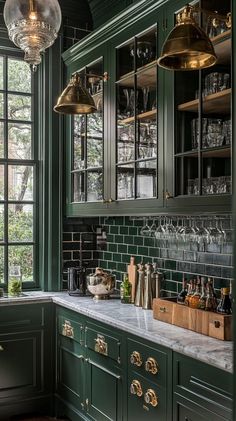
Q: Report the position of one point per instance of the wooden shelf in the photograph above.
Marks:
(146, 77)
(218, 103)
(222, 46)
(221, 152)
(150, 115)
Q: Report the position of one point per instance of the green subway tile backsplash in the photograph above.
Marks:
(174, 259)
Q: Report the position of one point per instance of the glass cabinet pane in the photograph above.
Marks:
(137, 134)
(203, 113)
(88, 142)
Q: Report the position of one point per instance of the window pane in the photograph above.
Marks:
(2, 182)
(2, 264)
(20, 223)
(1, 72)
(19, 76)
(22, 256)
(19, 141)
(1, 106)
(79, 141)
(2, 140)
(20, 182)
(1, 223)
(19, 107)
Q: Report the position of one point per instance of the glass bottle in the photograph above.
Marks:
(195, 298)
(182, 295)
(190, 292)
(125, 290)
(14, 281)
(202, 301)
(211, 303)
(225, 305)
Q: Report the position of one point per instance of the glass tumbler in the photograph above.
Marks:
(14, 281)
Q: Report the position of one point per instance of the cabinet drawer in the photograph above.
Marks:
(16, 317)
(98, 340)
(185, 410)
(148, 361)
(70, 328)
(207, 385)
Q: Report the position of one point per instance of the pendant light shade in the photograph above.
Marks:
(33, 26)
(75, 99)
(187, 47)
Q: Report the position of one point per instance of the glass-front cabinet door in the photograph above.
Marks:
(137, 141)
(88, 141)
(202, 144)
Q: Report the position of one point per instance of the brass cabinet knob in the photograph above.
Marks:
(67, 329)
(151, 366)
(101, 346)
(136, 388)
(136, 359)
(151, 398)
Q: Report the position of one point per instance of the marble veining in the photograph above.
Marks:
(140, 322)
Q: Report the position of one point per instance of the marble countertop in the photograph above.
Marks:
(140, 322)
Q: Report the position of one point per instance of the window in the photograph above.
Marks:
(18, 169)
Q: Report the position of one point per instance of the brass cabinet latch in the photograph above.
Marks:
(136, 388)
(151, 366)
(151, 398)
(67, 329)
(135, 359)
(100, 345)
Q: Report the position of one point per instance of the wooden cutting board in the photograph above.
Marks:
(132, 274)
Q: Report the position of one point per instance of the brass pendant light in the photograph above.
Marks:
(187, 47)
(75, 99)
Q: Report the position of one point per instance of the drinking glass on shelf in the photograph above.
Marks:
(190, 187)
(145, 91)
(215, 135)
(226, 131)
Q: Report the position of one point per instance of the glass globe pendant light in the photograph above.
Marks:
(33, 26)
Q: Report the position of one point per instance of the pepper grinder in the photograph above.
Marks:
(140, 286)
(157, 278)
(147, 298)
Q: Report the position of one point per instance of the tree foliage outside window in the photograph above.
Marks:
(17, 169)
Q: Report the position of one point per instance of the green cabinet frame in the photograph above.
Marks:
(103, 42)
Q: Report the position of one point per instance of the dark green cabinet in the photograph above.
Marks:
(104, 374)
(25, 359)
(152, 118)
(198, 385)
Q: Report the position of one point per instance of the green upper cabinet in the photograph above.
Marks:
(199, 132)
(159, 140)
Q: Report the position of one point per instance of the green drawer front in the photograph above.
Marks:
(16, 317)
(98, 340)
(70, 328)
(150, 359)
(185, 410)
(207, 385)
(138, 408)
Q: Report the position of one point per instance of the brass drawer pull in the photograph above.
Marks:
(151, 366)
(163, 310)
(100, 345)
(136, 388)
(151, 398)
(1, 348)
(67, 329)
(135, 359)
(216, 324)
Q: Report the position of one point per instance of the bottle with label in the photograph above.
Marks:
(190, 292)
(202, 301)
(195, 298)
(225, 305)
(125, 290)
(182, 295)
